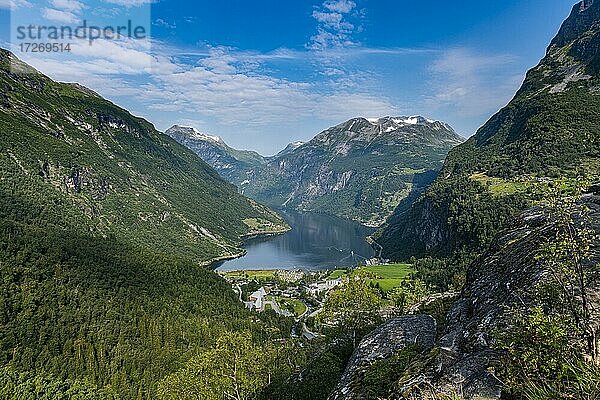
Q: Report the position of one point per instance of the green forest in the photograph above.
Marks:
(109, 231)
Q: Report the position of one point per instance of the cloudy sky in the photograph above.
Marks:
(263, 73)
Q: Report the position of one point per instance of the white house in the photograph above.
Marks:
(257, 299)
(323, 286)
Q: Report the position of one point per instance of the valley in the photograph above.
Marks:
(314, 242)
(301, 294)
(384, 258)
(361, 169)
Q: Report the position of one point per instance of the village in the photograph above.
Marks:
(301, 294)
(290, 293)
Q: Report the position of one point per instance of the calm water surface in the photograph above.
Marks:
(316, 242)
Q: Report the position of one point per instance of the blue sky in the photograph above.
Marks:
(262, 73)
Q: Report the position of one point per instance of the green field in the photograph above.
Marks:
(298, 306)
(388, 276)
(337, 274)
(262, 275)
(498, 186)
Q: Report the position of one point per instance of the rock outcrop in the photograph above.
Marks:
(500, 279)
(463, 354)
(383, 343)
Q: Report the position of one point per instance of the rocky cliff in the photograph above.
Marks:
(233, 165)
(462, 356)
(361, 169)
(551, 128)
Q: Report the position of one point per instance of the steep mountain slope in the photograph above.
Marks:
(464, 358)
(551, 128)
(233, 165)
(361, 169)
(288, 149)
(116, 172)
(103, 224)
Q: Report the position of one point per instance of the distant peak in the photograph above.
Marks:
(412, 120)
(581, 23)
(290, 148)
(193, 133)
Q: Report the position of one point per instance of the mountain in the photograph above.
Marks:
(233, 165)
(115, 171)
(288, 149)
(462, 340)
(361, 169)
(550, 129)
(104, 226)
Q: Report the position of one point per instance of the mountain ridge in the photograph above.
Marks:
(308, 175)
(548, 130)
(106, 160)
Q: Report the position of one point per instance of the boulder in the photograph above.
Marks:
(383, 343)
(464, 356)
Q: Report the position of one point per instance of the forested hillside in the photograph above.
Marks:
(104, 225)
(551, 129)
(115, 171)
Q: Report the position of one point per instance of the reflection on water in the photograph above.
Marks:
(316, 241)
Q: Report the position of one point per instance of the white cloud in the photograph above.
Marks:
(224, 86)
(14, 4)
(161, 22)
(219, 88)
(333, 30)
(341, 6)
(61, 16)
(64, 11)
(131, 3)
(331, 19)
(461, 81)
(461, 62)
(73, 6)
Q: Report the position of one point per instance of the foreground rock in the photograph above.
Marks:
(501, 279)
(463, 357)
(383, 343)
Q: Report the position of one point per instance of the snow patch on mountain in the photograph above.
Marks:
(412, 120)
(193, 133)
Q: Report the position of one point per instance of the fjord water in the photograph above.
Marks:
(316, 242)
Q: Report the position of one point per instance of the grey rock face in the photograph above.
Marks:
(361, 169)
(235, 166)
(500, 279)
(382, 344)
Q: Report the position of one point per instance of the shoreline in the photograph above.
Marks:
(211, 263)
(249, 236)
